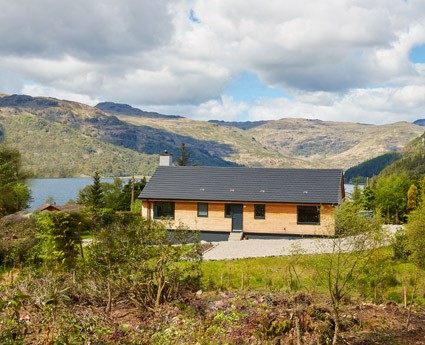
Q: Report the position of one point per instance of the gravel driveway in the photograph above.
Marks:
(228, 250)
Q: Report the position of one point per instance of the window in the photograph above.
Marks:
(259, 211)
(163, 209)
(202, 209)
(227, 210)
(308, 215)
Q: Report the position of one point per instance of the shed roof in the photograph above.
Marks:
(241, 184)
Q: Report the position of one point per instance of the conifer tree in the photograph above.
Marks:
(96, 198)
(368, 198)
(183, 160)
(412, 198)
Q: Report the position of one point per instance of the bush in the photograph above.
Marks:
(139, 258)
(400, 244)
(59, 236)
(17, 238)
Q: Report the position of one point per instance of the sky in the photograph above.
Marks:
(235, 60)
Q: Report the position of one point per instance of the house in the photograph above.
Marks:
(249, 201)
(59, 208)
(47, 207)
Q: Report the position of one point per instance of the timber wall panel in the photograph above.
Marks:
(279, 219)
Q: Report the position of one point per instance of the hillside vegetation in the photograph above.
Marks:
(50, 149)
(333, 144)
(63, 138)
(370, 168)
(412, 161)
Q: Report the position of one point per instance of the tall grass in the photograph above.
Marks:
(385, 282)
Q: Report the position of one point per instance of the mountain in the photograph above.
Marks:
(420, 122)
(245, 125)
(333, 144)
(125, 109)
(371, 167)
(296, 142)
(412, 161)
(64, 138)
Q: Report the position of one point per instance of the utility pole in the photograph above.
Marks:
(132, 193)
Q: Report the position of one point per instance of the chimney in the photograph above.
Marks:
(165, 159)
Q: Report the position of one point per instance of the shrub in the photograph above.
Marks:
(399, 244)
(139, 257)
(59, 236)
(17, 238)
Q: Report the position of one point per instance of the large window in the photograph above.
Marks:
(163, 209)
(202, 209)
(308, 215)
(259, 211)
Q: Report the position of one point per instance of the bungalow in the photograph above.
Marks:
(248, 201)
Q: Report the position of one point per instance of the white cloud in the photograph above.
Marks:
(226, 108)
(338, 59)
(377, 105)
(43, 91)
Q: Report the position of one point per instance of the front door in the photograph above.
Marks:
(237, 217)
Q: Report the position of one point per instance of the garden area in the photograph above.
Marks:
(133, 285)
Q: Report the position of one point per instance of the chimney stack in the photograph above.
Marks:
(165, 159)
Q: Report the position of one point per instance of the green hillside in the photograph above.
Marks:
(412, 161)
(370, 168)
(51, 149)
(64, 138)
(333, 144)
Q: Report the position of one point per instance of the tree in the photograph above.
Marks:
(112, 193)
(130, 189)
(351, 252)
(412, 198)
(115, 197)
(184, 158)
(391, 196)
(368, 198)
(50, 200)
(415, 230)
(93, 195)
(59, 236)
(14, 194)
(422, 187)
(356, 196)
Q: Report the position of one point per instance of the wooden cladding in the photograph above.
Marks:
(270, 219)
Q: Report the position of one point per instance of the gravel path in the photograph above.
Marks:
(229, 250)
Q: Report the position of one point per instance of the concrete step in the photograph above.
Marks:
(235, 236)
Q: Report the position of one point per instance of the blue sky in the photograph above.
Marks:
(229, 60)
(248, 88)
(417, 54)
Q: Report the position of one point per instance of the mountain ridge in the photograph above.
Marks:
(125, 109)
(411, 161)
(275, 143)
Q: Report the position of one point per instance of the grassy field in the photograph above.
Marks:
(383, 282)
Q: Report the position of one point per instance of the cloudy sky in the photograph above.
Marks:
(343, 60)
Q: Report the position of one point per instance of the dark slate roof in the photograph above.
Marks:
(201, 183)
